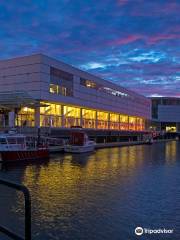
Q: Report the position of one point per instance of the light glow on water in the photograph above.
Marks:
(102, 195)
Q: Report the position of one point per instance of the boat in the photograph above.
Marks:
(13, 148)
(148, 138)
(54, 145)
(79, 142)
(149, 141)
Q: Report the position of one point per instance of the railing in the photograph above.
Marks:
(27, 201)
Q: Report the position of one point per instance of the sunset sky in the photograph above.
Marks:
(135, 43)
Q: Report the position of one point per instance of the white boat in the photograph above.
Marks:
(149, 141)
(79, 142)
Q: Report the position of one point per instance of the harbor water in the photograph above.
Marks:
(98, 196)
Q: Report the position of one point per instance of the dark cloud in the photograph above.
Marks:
(135, 43)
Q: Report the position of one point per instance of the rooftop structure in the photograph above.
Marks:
(166, 113)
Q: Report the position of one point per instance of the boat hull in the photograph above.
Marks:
(78, 149)
(26, 155)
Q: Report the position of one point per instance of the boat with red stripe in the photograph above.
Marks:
(14, 148)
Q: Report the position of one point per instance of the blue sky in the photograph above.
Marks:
(135, 43)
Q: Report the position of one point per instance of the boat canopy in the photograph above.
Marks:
(78, 138)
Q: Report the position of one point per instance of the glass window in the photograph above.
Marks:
(171, 129)
(11, 140)
(21, 140)
(114, 117)
(88, 118)
(88, 114)
(54, 89)
(3, 141)
(51, 109)
(25, 117)
(71, 112)
(26, 110)
(124, 118)
(54, 72)
(124, 122)
(140, 124)
(61, 82)
(92, 84)
(114, 121)
(132, 123)
(102, 116)
(50, 115)
(102, 120)
(71, 116)
(88, 83)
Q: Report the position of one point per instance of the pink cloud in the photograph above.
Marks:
(157, 38)
(125, 40)
(148, 39)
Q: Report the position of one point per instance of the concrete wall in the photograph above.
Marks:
(22, 74)
(32, 74)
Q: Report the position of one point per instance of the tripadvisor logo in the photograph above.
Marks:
(139, 231)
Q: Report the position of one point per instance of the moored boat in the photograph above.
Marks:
(149, 141)
(13, 148)
(79, 142)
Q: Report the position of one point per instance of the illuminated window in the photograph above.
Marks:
(71, 111)
(50, 115)
(114, 92)
(88, 118)
(54, 89)
(61, 82)
(171, 129)
(64, 91)
(124, 118)
(140, 124)
(88, 114)
(25, 117)
(88, 83)
(132, 123)
(57, 115)
(50, 109)
(71, 116)
(91, 84)
(25, 110)
(102, 120)
(114, 117)
(124, 122)
(102, 116)
(114, 121)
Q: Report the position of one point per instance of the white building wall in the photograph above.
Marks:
(32, 74)
(23, 74)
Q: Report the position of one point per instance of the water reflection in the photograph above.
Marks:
(92, 196)
(171, 152)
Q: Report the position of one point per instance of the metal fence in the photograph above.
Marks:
(27, 202)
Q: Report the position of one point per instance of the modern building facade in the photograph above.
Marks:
(38, 91)
(166, 114)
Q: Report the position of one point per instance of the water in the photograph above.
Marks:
(101, 196)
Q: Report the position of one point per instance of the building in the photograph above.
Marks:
(38, 91)
(166, 114)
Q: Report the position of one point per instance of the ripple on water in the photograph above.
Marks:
(103, 195)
